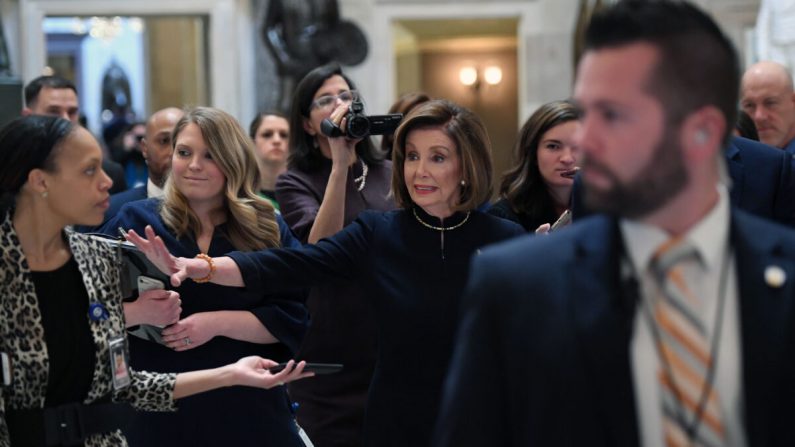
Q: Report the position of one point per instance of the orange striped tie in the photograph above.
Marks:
(691, 407)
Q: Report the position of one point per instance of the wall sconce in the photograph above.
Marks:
(471, 77)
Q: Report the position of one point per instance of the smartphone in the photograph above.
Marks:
(148, 283)
(149, 332)
(563, 220)
(317, 368)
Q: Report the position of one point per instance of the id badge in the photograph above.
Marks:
(119, 363)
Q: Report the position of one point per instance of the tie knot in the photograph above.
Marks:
(670, 253)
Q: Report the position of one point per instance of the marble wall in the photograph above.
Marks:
(544, 41)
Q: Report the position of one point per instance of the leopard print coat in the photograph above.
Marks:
(22, 334)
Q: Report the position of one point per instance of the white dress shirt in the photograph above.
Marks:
(153, 190)
(710, 237)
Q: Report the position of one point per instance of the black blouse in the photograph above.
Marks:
(414, 277)
(502, 209)
(63, 303)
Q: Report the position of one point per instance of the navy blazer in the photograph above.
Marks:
(763, 182)
(543, 355)
(118, 200)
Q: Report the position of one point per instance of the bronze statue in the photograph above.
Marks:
(304, 34)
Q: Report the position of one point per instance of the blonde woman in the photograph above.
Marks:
(211, 206)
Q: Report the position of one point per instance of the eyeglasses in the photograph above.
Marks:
(327, 101)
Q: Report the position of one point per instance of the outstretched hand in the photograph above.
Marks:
(155, 250)
(253, 371)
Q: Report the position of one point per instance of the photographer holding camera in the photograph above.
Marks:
(328, 183)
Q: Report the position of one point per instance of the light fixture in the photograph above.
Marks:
(492, 75)
(471, 76)
(468, 76)
(105, 28)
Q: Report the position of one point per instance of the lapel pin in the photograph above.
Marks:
(97, 312)
(775, 276)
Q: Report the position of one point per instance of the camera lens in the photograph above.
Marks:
(358, 126)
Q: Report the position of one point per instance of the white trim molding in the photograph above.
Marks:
(228, 48)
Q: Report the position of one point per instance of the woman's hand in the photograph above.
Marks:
(155, 250)
(253, 371)
(343, 150)
(248, 371)
(190, 332)
(157, 307)
(543, 229)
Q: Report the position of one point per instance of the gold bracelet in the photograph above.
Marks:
(212, 268)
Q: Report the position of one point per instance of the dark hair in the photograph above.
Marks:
(28, 143)
(405, 104)
(697, 64)
(257, 121)
(472, 143)
(304, 154)
(523, 186)
(745, 126)
(34, 87)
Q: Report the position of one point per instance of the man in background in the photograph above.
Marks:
(668, 320)
(157, 149)
(767, 96)
(56, 96)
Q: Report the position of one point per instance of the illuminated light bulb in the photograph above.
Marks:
(492, 75)
(468, 76)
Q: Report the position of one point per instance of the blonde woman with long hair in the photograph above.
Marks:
(211, 207)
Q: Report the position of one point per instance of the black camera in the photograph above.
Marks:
(358, 125)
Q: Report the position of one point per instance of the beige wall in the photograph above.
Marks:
(177, 67)
(496, 105)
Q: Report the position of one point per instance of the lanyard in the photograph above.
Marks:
(691, 428)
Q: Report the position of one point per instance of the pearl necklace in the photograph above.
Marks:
(427, 225)
(362, 179)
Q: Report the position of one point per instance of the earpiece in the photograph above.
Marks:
(701, 136)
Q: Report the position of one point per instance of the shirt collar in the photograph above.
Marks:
(153, 190)
(709, 236)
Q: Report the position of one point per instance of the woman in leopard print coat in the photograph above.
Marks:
(50, 177)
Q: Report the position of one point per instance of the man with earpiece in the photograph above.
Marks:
(670, 318)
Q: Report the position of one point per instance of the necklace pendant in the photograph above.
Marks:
(442, 228)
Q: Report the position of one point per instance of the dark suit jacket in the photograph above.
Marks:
(763, 182)
(543, 355)
(116, 173)
(118, 200)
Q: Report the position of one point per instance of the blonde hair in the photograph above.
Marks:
(251, 220)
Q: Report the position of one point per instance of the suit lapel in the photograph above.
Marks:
(603, 316)
(765, 314)
(736, 172)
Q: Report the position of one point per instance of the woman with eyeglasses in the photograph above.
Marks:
(328, 183)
